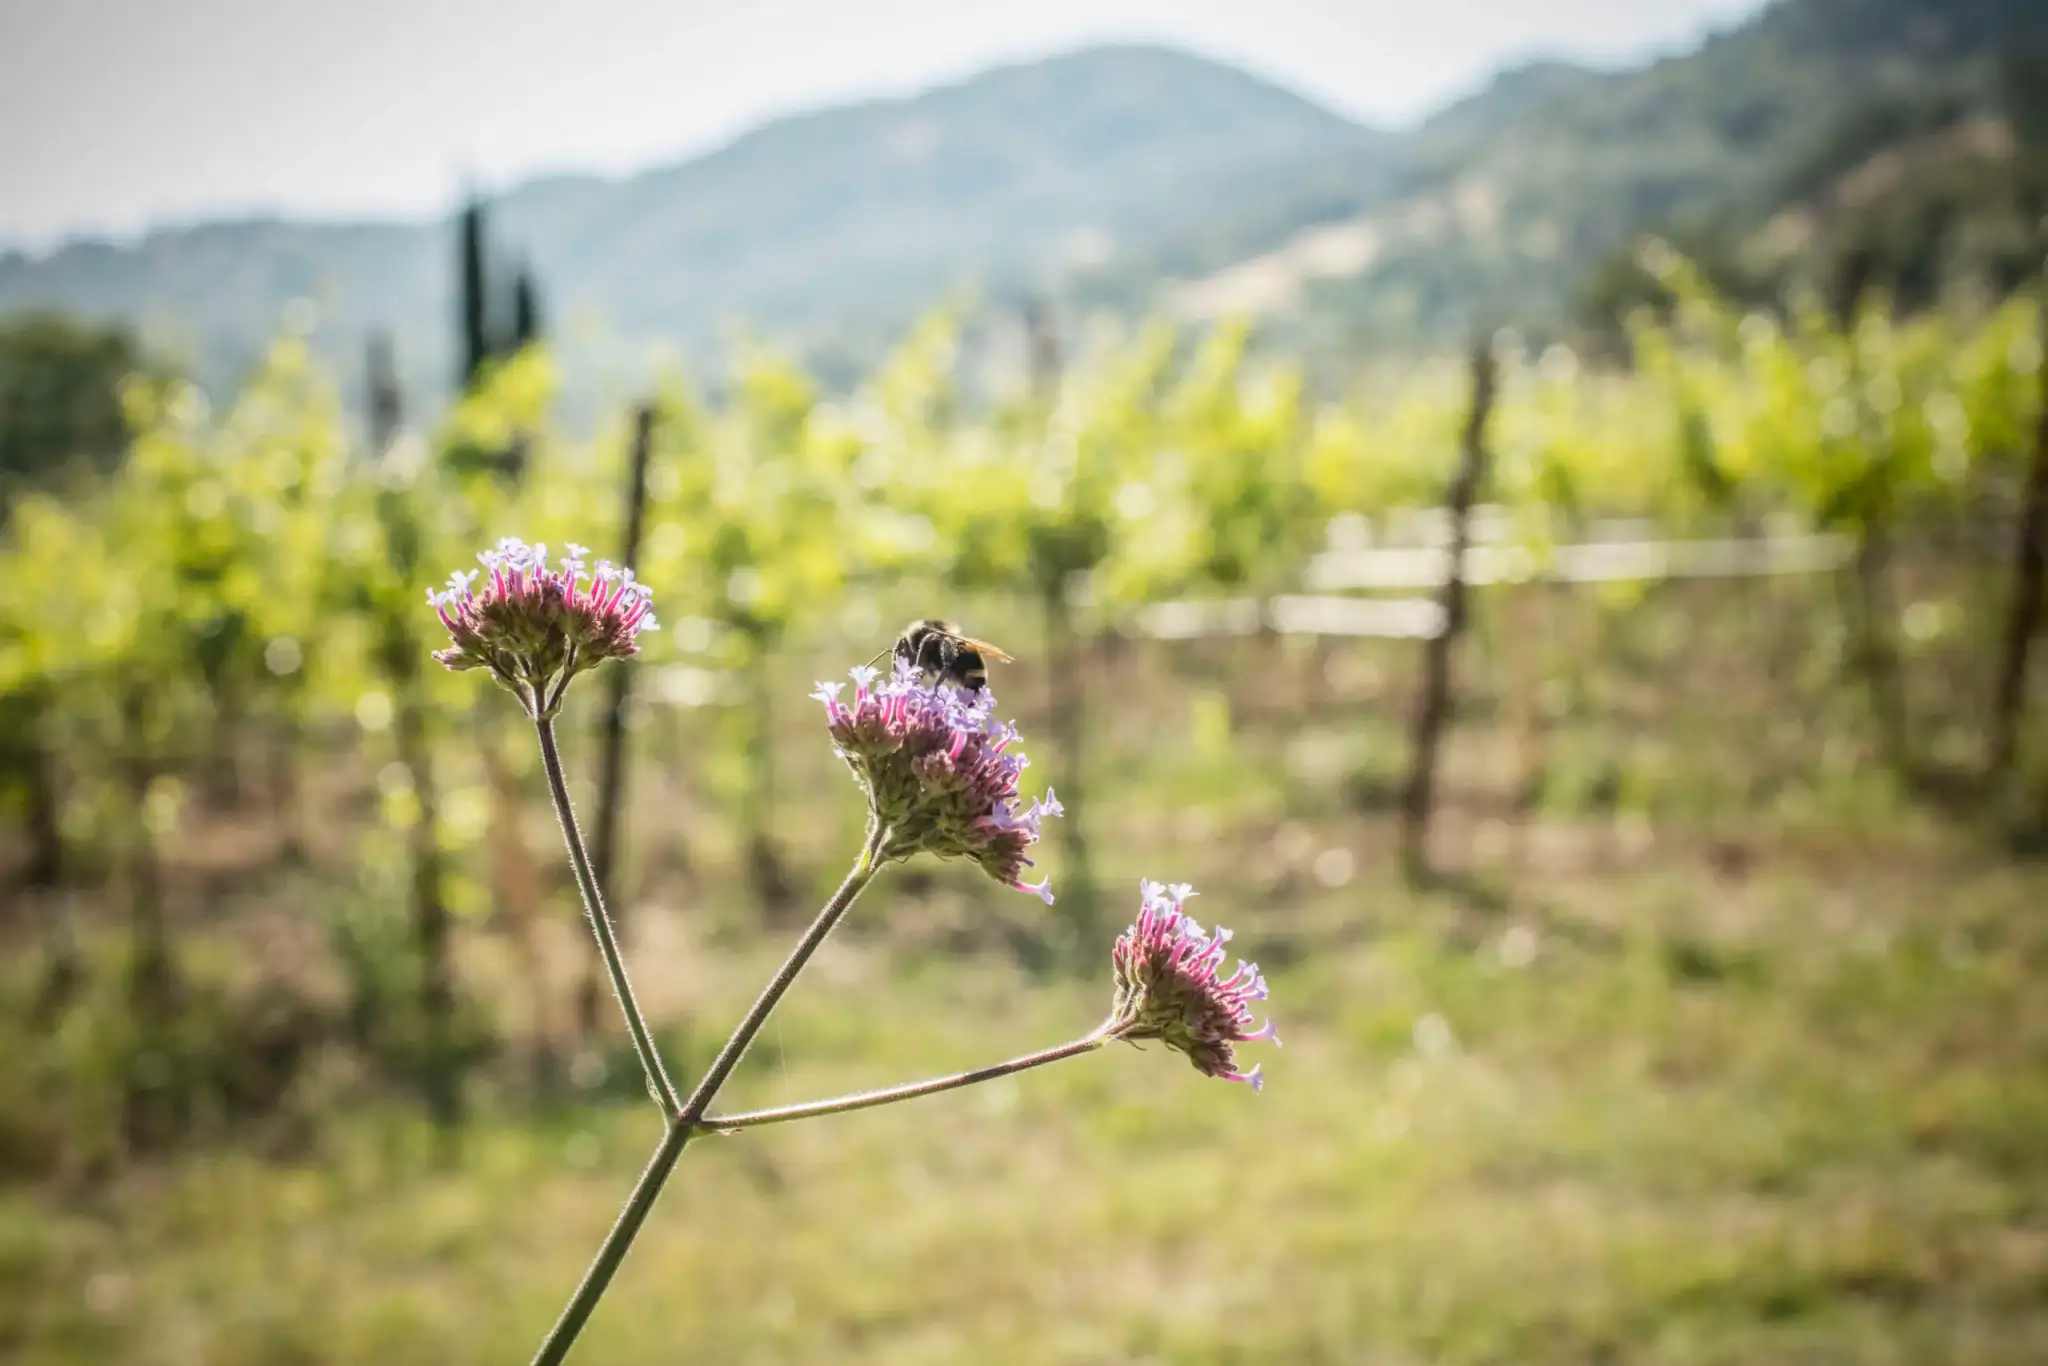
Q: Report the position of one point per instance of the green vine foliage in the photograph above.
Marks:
(256, 565)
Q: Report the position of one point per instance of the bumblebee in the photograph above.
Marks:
(937, 648)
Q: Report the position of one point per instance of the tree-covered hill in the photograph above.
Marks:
(800, 230)
(1143, 179)
(1498, 209)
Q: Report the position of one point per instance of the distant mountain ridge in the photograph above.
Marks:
(842, 222)
(1496, 209)
(1130, 177)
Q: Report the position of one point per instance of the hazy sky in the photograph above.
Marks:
(119, 113)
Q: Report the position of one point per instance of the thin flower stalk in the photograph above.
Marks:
(658, 1083)
(535, 628)
(685, 1123)
(1169, 986)
(916, 1090)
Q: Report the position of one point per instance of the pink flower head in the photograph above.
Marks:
(1170, 987)
(939, 771)
(535, 628)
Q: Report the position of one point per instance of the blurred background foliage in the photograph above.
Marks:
(271, 874)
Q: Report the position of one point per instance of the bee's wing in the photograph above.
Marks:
(987, 650)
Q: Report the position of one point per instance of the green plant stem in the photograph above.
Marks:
(601, 922)
(866, 1100)
(645, 1191)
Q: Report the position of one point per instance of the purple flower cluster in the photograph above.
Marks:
(535, 628)
(1170, 987)
(939, 771)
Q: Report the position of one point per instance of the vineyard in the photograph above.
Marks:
(1475, 661)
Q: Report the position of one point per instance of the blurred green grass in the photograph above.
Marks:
(1658, 1114)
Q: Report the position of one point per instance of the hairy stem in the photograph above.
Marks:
(601, 922)
(867, 1100)
(563, 1336)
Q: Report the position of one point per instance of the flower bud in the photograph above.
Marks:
(1169, 987)
(939, 772)
(535, 628)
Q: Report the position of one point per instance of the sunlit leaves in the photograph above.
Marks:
(755, 514)
(257, 554)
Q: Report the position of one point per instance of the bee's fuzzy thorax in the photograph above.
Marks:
(940, 652)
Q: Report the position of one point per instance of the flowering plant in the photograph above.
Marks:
(940, 772)
(940, 776)
(536, 628)
(1170, 987)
